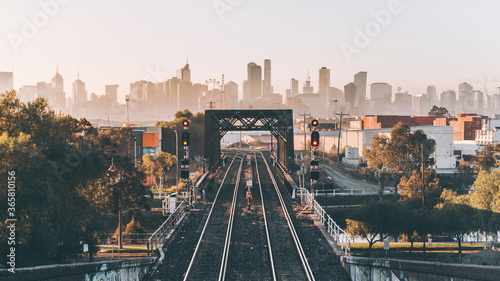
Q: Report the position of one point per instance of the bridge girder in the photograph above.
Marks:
(278, 122)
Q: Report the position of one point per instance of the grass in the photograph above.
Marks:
(126, 248)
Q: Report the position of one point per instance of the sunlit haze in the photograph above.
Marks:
(441, 43)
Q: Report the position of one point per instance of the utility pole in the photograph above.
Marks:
(340, 134)
(304, 128)
(423, 196)
(222, 94)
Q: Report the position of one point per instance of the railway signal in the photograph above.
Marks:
(314, 123)
(315, 139)
(185, 139)
(185, 123)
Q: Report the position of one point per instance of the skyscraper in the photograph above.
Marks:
(350, 95)
(184, 74)
(79, 92)
(294, 87)
(324, 85)
(360, 97)
(6, 81)
(448, 100)
(111, 92)
(57, 95)
(231, 91)
(431, 91)
(465, 97)
(380, 98)
(268, 88)
(324, 80)
(254, 78)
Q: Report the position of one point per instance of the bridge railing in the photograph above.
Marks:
(338, 234)
(161, 234)
(347, 192)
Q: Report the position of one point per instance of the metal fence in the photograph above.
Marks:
(347, 192)
(339, 235)
(160, 235)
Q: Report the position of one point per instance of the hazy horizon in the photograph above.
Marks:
(422, 43)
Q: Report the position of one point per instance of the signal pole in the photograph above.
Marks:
(314, 162)
(185, 138)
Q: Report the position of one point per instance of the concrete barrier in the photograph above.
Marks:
(399, 270)
(109, 270)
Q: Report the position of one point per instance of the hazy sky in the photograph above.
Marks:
(424, 42)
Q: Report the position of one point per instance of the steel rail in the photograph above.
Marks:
(298, 245)
(227, 243)
(265, 221)
(208, 219)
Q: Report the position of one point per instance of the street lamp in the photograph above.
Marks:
(112, 169)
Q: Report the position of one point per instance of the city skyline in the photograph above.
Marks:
(420, 43)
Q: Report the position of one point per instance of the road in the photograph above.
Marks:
(345, 180)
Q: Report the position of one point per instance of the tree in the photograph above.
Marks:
(486, 159)
(196, 130)
(455, 219)
(408, 222)
(438, 111)
(61, 179)
(485, 193)
(401, 151)
(410, 189)
(133, 229)
(374, 221)
(157, 166)
(465, 176)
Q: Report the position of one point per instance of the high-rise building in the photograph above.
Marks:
(431, 91)
(57, 95)
(403, 103)
(350, 95)
(79, 92)
(465, 97)
(268, 88)
(324, 80)
(422, 104)
(247, 92)
(478, 102)
(448, 100)
(231, 92)
(307, 89)
(254, 77)
(137, 90)
(381, 91)
(6, 81)
(360, 98)
(380, 98)
(324, 85)
(184, 74)
(294, 87)
(27, 92)
(149, 91)
(111, 92)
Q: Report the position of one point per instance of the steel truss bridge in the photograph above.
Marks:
(278, 122)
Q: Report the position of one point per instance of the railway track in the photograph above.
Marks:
(206, 261)
(256, 242)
